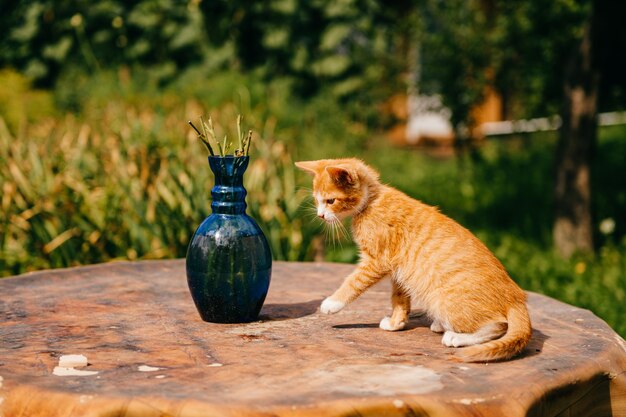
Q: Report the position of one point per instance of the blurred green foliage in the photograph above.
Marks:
(45, 38)
(345, 46)
(455, 48)
(519, 48)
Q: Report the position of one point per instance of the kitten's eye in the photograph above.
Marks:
(330, 201)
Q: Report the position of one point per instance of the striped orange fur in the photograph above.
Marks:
(431, 260)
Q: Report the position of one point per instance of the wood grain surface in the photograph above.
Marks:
(150, 354)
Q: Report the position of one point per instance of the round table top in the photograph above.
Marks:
(150, 354)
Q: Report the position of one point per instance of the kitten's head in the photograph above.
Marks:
(341, 187)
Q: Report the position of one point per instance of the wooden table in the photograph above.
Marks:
(151, 355)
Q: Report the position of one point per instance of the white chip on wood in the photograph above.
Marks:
(63, 371)
(398, 403)
(71, 361)
(67, 363)
(146, 368)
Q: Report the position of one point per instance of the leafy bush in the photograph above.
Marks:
(45, 38)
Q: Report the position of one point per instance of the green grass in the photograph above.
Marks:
(116, 173)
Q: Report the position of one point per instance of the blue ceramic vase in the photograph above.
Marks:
(229, 263)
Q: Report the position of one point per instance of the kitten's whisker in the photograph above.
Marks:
(309, 210)
(340, 231)
(308, 206)
(330, 237)
(311, 214)
(344, 230)
(331, 234)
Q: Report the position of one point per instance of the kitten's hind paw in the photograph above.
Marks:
(452, 339)
(387, 324)
(330, 306)
(437, 327)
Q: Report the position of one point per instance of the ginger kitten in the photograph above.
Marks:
(430, 258)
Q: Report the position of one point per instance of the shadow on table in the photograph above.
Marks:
(289, 311)
(535, 346)
(416, 319)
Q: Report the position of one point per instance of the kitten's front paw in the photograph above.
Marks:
(331, 306)
(386, 324)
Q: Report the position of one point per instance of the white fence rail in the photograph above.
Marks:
(543, 124)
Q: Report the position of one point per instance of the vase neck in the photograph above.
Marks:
(229, 194)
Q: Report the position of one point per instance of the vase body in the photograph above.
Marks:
(229, 263)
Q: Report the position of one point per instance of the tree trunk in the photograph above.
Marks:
(573, 230)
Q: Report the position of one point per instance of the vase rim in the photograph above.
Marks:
(227, 157)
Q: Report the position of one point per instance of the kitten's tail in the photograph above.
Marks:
(514, 340)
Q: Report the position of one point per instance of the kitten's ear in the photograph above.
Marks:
(310, 167)
(342, 176)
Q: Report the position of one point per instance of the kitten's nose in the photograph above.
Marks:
(320, 215)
